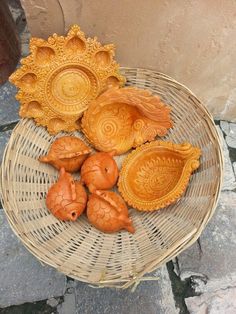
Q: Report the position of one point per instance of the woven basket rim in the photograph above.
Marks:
(190, 239)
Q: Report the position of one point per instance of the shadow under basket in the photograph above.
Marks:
(113, 260)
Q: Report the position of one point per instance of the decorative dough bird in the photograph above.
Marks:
(107, 211)
(68, 152)
(100, 171)
(66, 199)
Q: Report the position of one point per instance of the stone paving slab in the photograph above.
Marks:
(4, 137)
(230, 132)
(9, 106)
(152, 297)
(229, 182)
(216, 255)
(212, 264)
(22, 277)
(219, 302)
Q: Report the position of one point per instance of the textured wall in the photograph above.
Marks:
(192, 41)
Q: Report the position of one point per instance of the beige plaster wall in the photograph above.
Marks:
(193, 41)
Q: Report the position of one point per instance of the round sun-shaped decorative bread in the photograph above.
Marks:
(61, 76)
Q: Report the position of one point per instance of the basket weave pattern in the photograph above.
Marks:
(79, 250)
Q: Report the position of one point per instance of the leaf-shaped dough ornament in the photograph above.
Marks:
(156, 174)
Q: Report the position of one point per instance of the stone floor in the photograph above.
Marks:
(200, 280)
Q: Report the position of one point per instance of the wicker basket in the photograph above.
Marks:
(79, 250)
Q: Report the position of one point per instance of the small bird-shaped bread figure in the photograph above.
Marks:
(107, 211)
(66, 199)
(100, 171)
(68, 152)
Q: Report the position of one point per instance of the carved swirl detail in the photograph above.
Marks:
(111, 127)
(124, 118)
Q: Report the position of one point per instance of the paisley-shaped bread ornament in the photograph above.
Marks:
(68, 152)
(66, 199)
(156, 174)
(122, 118)
(107, 211)
(100, 171)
